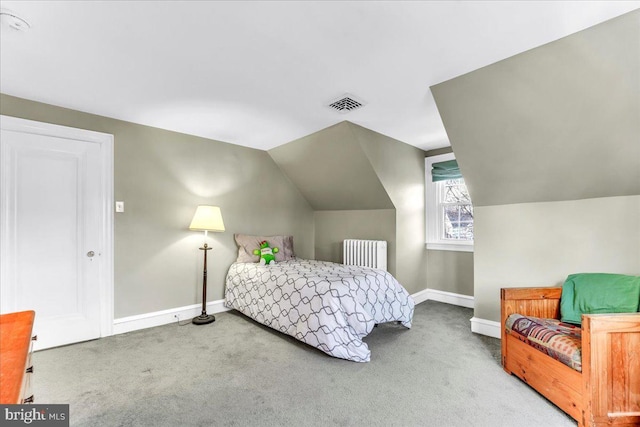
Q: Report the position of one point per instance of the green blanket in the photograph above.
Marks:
(593, 293)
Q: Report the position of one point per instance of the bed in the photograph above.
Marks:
(329, 306)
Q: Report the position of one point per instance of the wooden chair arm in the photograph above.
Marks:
(537, 302)
(530, 293)
(611, 323)
(610, 363)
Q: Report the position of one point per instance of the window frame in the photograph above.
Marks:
(434, 220)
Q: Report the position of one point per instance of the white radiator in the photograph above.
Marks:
(365, 253)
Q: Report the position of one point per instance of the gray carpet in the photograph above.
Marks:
(236, 372)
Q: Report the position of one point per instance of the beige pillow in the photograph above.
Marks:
(247, 244)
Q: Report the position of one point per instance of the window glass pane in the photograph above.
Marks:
(458, 222)
(466, 213)
(454, 191)
(458, 231)
(451, 213)
(466, 231)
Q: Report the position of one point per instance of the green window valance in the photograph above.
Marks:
(445, 170)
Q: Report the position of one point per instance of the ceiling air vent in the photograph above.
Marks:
(346, 103)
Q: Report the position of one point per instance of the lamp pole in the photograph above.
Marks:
(204, 318)
(206, 218)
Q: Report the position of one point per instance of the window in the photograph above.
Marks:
(449, 209)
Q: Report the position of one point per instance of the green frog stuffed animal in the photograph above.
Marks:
(266, 253)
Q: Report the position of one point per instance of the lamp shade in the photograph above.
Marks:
(208, 218)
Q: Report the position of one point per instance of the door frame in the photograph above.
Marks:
(105, 140)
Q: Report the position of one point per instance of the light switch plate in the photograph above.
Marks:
(119, 206)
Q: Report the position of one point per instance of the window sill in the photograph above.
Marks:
(459, 247)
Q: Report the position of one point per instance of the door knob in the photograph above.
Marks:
(90, 254)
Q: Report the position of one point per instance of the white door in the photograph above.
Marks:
(53, 241)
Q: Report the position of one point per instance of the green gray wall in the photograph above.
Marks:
(349, 168)
(539, 244)
(450, 271)
(331, 227)
(549, 144)
(331, 170)
(400, 168)
(162, 176)
(559, 122)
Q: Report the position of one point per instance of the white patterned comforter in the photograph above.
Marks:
(327, 305)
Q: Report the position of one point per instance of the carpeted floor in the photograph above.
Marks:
(236, 372)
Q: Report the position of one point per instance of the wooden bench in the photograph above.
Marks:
(607, 391)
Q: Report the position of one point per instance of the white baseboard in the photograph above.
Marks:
(489, 328)
(420, 296)
(442, 296)
(158, 318)
(163, 317)
(479, 326)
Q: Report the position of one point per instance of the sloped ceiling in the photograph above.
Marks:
(559, 122)
(332, 171)
(260, 73)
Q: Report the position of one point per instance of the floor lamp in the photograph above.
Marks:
(206, 218)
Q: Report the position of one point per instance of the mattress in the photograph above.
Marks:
(329, 306)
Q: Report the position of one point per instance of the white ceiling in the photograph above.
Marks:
(260, 74)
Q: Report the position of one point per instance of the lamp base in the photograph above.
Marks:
(204, 319)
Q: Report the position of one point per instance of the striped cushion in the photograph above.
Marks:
(561, 341)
